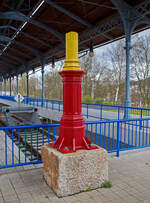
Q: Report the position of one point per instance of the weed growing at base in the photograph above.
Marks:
(106, 184)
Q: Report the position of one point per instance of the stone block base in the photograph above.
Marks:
(67, 174)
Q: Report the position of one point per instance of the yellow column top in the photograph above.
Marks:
(72, 61)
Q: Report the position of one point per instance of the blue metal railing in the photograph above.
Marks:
(95, 111)
(21, 145)
(109, 112)
(46, 103)
(9, 98)
(120, 135)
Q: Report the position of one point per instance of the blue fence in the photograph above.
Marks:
(109, 112)
(119, 135)
(96, 111)
(9, 98)
(46, 103)
(21, 145)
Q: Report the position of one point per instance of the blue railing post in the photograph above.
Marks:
(141, 120)
(37, 101)
(26, 100)
(118, 140)
(6, 147)
(42, 102)
(118, 112)
(87, 110)
(101, 108)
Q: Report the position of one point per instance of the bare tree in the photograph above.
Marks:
(22, 85)
(96, 73)
(53, 83)
(140, 61)
(116, 56)
(34, 89)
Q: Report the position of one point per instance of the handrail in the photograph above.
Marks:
(86, 107)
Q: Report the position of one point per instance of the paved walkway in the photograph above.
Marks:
(129, 175)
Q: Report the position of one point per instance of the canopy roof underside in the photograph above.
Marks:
(33, 32)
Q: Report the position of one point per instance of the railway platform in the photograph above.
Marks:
(54, 115)
(23, 52)
(43, 112)
(129, 175)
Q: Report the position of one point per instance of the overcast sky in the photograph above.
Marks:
(97, 52)
(100, 50)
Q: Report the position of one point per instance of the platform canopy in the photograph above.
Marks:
(33, 32)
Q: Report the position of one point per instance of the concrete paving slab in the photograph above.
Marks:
(129, 174)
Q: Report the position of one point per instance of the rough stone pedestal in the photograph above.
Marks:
(67, 174)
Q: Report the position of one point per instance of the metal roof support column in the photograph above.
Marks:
(1, 80)
(127, 15)
(17, 84)
(42, 61)
(5, 86)
(10, 85)
(128, 98)
(27, 86)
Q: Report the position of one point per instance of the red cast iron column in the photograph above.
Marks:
(72, 127)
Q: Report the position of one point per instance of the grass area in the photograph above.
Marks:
(145, 112)
(134, 111)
